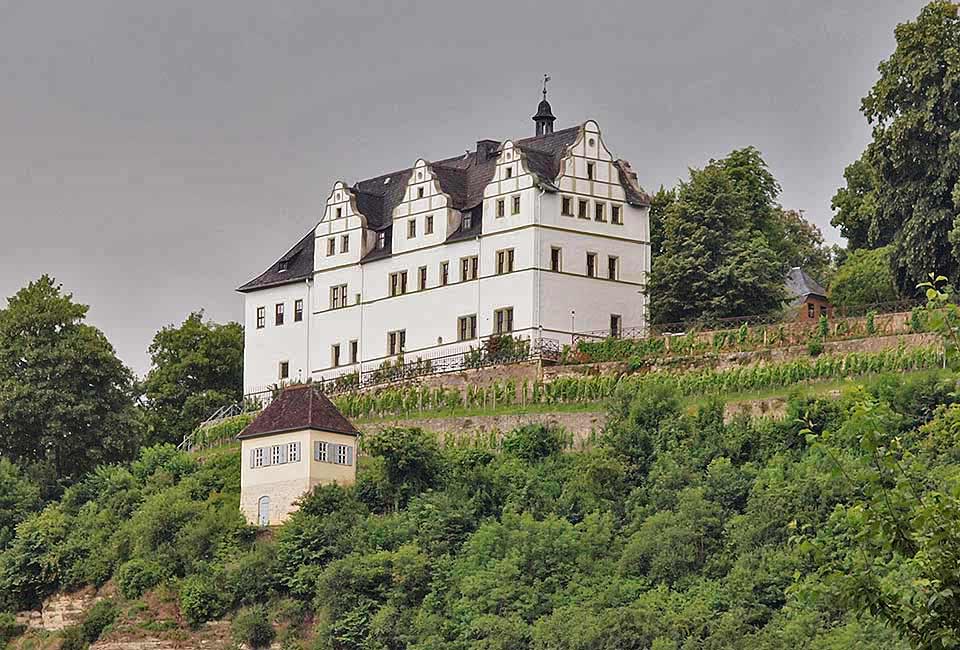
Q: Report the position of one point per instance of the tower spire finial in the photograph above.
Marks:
(544, 117)
(546, 78)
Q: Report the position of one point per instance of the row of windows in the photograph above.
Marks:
(599, 210)
(329, 452)
(412, 227)
(514, 206)
(592, 269)
(332, 244)
(275, 455)
(336, 358)
(279, 314)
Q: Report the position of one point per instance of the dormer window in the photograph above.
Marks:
(381, 239)
(468, 221)
(283, 266)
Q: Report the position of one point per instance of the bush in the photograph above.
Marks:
(98, 619)
(138, 576)
(71, 638)
(815, 346)
(534, 442)
(871, 324)
(9, 628)
(252, 627)
(201, 600)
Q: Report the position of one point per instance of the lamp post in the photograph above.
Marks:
(573, 325)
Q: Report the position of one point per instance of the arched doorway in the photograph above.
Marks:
(263, 511)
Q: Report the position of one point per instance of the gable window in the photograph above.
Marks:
(599, 211)
(261, 317)
(615, 215)
(354, 351)
(345, 244)
(501, 208)
(505, 261)
(582, 207)
(591, 265)
(509, 171)
(566, 206)
(468, 268)
(381, 240)
(339, 212)
(420, 192)
(503, 320)
(284, 370)
(398, 283)
(444, 273)
(279, 314)
(411, 229)
(335, 355)
(467, 327)
(338, 296)
(321, 451)
(297, 310)
(515, 204)
(590, 166)
(613, 267)
(422, 278)
(331, 246)
(616, 325)
(428, 226)
(396, 342)
(556, 259)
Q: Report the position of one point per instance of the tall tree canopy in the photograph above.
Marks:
(726, 243)
(864, 278)
(904, 189)
(196, 368)
(66, 400)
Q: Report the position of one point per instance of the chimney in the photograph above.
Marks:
(487, 149)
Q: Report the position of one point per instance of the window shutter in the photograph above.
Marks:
(316, 450)
(268, 456)
(253, 458)
(284, 457)
(349, 455)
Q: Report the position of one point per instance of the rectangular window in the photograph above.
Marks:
(261, 317)
(354, 350)
(503, 320)
(335, 355)
(468, 268)
(501, 208)
(467, 221)
(420, 192)
(810, 310)
(396, 342)
(321, 451)
(381, 240)
(613, 267)
(422, 278)
(283, 266)
(582, 207)
(591, 265)
(590, 166)
(467, 327)
(566, 206)
(344, 455)
(515, 204)
(398, 283)
(428, 226)
(505, 261)
(509, 171)
(345, 244)
(331, 246)
(556, 259)
(615, 325)
(284, 370)
(339, 212)
(258, 457)
(293, 452)
(615, 212)
(411, 229)
(279, 314)
(823, 310)
(297, 311)
(599, 211)
(338, 296)
(444, 273)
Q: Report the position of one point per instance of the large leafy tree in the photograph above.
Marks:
(864, 278)
(723, 251)
(904, 190)
(66, 400)
(197, 367)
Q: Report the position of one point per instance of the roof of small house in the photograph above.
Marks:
(297, 408)
(463, 178)
(799, 285)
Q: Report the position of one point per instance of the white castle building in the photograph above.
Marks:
(536, 237)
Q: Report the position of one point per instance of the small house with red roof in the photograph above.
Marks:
(297, 442)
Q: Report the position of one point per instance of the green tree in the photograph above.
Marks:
(66, 400)
(196, 368)
(865, 277)
(798, 242)
(19, 497)
(717, 259)
(412, 460)
(660, 202)
(905, 190)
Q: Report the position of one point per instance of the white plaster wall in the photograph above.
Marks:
(264, 348)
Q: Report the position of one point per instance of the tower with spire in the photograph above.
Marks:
(544, 118)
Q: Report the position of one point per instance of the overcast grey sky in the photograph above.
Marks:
(155, 155)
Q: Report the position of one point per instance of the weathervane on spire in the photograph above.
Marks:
(546, 78)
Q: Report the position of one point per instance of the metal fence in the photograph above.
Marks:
(493, 351)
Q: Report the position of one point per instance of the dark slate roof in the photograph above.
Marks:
(475, 229)
(799, 285)
(544, 152)
(299, 265)
(631, 186)
(297, 408)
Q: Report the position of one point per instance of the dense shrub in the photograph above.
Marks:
(98, 619)
(534, 442)
(138, 576)
(201, 599)
(9, 628)
(252, 627)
